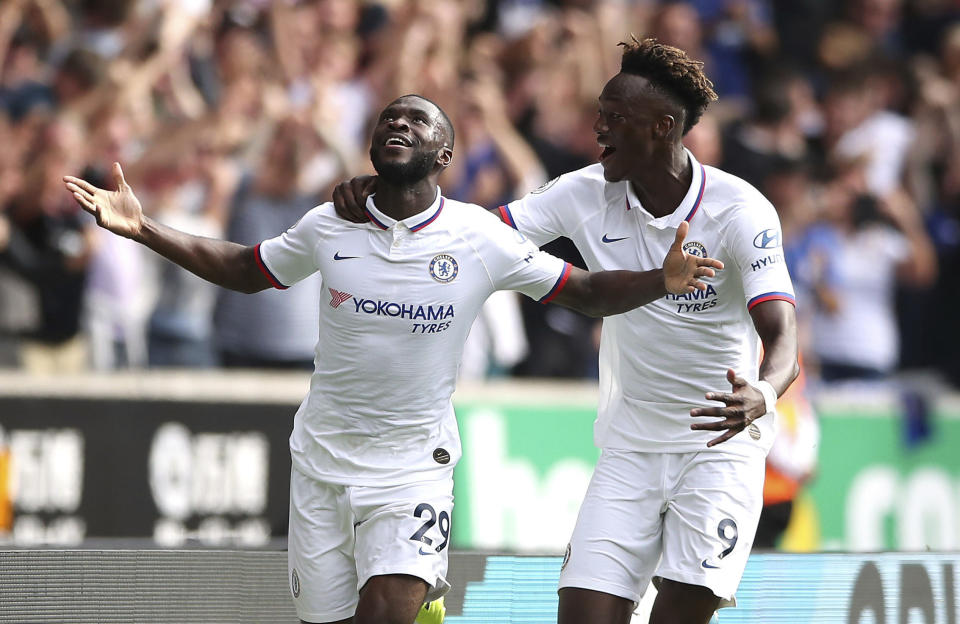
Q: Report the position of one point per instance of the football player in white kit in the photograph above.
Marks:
(375, 440)
(669, 501)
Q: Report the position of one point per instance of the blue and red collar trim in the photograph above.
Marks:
(421, 223)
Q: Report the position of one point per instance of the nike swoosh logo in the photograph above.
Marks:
(707, 565)
(429, 552)
(337, 256)
(607, 239)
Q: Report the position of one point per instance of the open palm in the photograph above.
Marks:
(681, 270)
(118, 211)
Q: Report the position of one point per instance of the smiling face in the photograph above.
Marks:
(410, 141)
(633, 124)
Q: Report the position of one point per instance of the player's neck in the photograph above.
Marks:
(661, 188)
(399, 201)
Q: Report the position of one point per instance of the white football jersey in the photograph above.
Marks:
(400, 297)
(657, 362)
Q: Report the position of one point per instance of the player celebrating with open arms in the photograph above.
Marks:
(375, 440)
(669, 501)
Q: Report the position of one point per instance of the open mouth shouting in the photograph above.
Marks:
(608, 150)
(397, 142)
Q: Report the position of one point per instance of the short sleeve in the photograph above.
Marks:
(290, 257)
(755, 240)
(514, 262)
(550, 211)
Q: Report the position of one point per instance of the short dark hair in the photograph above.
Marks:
(444, 119)
(671, 71)
(771, 98)
(86, 67)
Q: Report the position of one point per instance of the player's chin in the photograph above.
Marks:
(394, 155)
(610, 172)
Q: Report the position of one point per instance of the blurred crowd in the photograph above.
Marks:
(233, 118)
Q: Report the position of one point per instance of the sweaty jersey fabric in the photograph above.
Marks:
(399, 300)
(658, 361)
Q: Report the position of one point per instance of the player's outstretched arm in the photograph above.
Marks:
(603, 293)
(224, 263)
(350, 197)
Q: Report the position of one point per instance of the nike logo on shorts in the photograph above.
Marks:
(429, 552)
(337, 256)
(606, 238)
(704, 564)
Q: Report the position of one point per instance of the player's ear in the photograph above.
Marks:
(664, 126)
(444, 157)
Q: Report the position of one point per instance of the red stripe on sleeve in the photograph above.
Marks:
(506, 217)
(772, 297)
(559, 285)
(263, 268)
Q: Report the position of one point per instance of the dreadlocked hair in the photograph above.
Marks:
(671, 71)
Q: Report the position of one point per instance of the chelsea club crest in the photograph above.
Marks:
(695, 249)
(443, 268)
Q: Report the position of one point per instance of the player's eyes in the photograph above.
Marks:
(609, 116)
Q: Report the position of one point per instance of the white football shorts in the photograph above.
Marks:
(340, 536)
(687, 517)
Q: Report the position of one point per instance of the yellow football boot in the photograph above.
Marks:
(431, 613)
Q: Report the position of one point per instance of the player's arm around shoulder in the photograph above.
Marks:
(221, 262)
(604, 293)
(557, 207)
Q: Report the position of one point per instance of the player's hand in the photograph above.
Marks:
(118, 211)
(350, 197)
(681, 270)
(743, 405)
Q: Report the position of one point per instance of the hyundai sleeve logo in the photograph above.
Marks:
(767, 239)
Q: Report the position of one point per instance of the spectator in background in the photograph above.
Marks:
(50, 246)
(21, 89)
(270, 329)
(877, 242)
(705, 142)
(741, 40)
(881, 21)
(181, 324)
(558, 81)
(118, 298)
(771, 134)
(934, 182)
(498, 162)
(195, 81)
(860, 125)
(732, 37)
(320, 57)
(926, 23)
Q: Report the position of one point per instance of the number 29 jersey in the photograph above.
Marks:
(400, 298)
